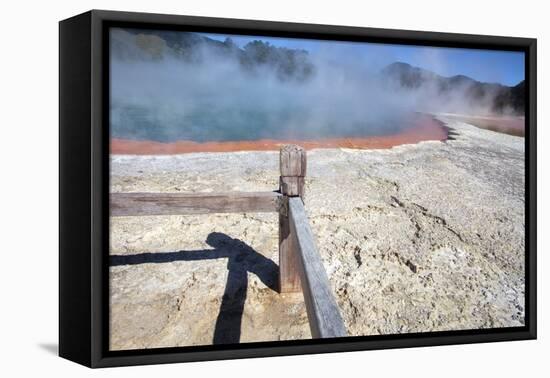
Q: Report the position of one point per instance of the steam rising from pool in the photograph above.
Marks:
(213, 98)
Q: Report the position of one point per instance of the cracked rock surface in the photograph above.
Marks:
(417, 238)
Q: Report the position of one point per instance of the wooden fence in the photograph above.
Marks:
(300, 265)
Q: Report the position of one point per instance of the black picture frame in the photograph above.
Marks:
(84, 188)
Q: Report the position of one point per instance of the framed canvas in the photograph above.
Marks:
(235, 188)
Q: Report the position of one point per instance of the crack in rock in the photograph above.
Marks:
(419, 214)
(357, 255)
(437, 219)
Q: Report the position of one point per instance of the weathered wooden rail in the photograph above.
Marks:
(126, 204)
(322, 311)
(300, 265)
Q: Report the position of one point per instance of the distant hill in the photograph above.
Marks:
(288, 64)
(501, 98)
(514, 98)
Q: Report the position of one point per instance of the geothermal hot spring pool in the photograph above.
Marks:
(139, 131)
(185, 92)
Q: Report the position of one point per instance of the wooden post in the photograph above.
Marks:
(293, 170)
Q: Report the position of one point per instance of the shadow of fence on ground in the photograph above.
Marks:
(241, 259)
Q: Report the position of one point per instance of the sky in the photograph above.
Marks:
(504, 67)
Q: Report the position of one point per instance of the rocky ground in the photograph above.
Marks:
(416, 238)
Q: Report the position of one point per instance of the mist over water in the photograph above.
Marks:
(206, 93)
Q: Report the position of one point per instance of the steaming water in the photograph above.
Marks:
(169, 101)
(168, 98)
(212, 123)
